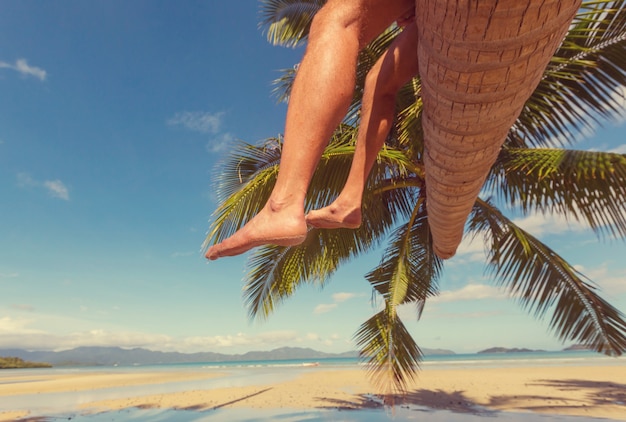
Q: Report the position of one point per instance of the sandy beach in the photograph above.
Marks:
(593, 391)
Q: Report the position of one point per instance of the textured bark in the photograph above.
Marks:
(479, 61)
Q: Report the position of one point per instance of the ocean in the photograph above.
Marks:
(451, 361)
(244, 373)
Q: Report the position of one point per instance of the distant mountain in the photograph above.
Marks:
(431, 352)
(17, 363)
(576, 347)
(109, 356)
(506, 350)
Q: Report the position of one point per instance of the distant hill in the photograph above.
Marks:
(17, 363)
(431, 352)
(506, 350)
(109, 356)
(577, 347)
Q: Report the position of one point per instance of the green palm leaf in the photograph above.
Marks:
(409, 269)
(582, 82)
(408, 273)
(582, 185)
(288, 21)
(541, 280)
(578, 90)
(391, 353)
(275, 272)
(282, 85)
(409, 133)
(244, 184)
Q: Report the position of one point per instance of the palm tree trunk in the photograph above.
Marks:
(479, 61)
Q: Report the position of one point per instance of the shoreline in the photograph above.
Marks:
(591, 391)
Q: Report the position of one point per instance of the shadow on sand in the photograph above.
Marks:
(596, 396)
(562, 397)
(427, 399)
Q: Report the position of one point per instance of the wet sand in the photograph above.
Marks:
(40, 383)
(593, 391)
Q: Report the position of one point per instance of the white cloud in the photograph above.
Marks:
(221, 142)
(343, 296)
(23, 68)
(18, 333)
(313, 337)
(55, 188)
(621, 149)
(337, 298)
(317, 339)
(471, 249)
(469, 292)
(9, 275)
(208, 123)
(23, 333)
(539, 224)
(610, 281)
(192, 344)
(10, 325)
(25, 180)
(198, 121)
(491, 315)
(324, 307)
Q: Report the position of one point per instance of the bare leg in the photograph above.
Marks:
(392, 70)
(319, 99)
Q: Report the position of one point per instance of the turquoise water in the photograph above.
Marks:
(452, 361)
(242, 373)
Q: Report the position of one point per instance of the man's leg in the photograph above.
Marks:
(392, 70)
(319, 100)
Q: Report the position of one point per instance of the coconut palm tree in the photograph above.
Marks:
(532, 172)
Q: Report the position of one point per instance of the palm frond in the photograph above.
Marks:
(244, 184)
(282, 85)
(582, 84)
(541, 280)
(274, 273)
(391, 354)
(288, 21)
(408, 273)
(583, 185)
(409, 132)
(409, 269)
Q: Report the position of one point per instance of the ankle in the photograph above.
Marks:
(281, 205)
(346, 205)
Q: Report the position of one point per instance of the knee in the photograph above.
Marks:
(336, 15)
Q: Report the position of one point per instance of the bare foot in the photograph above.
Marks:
(266, 228)
(335, 216)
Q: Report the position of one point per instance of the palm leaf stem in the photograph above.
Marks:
(541, 280)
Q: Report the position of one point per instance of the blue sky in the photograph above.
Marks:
(113, 118)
